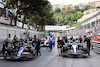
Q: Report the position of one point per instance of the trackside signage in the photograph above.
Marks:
(50, 28)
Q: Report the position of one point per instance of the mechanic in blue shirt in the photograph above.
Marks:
(51, 41)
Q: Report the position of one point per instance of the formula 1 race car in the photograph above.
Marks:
(74, 49)
(19, 52)
(45, 43)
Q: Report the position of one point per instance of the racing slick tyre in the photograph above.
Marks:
(64, 49)
(88, 54)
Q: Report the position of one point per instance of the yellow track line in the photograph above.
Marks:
(49, 57)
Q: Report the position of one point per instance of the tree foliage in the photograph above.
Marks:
(69, 16)
(37, 11)
(57, 10)
(86, 7)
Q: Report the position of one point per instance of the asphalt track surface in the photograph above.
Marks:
(51, 59)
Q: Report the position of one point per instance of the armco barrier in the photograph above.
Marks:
(96, 47)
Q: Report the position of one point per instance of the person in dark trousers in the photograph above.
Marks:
(36, 44)
(5, 45)
(62, 43)
(80, 41)
(59, 45)
(88, 42)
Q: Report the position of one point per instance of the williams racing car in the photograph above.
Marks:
(74, 48)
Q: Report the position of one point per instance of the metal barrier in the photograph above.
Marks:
(96, 47)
